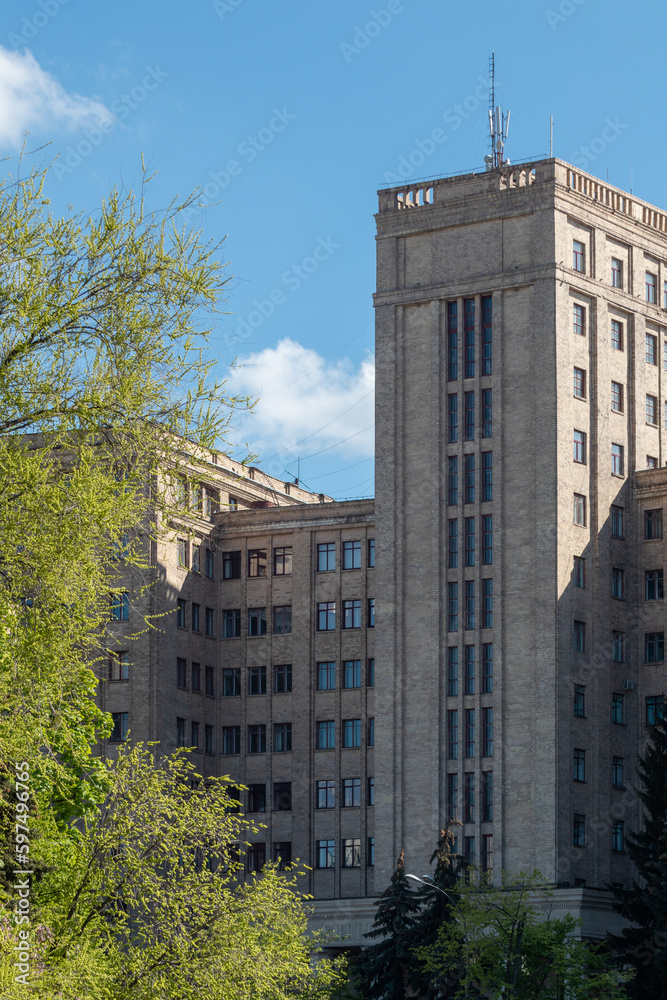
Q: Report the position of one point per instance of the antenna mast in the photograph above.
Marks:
(498, 124)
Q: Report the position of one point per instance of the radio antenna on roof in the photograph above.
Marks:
(498, 124)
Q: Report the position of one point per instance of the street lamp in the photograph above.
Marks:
(431, 883)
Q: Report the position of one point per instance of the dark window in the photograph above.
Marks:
(616, 273)
(487, 413)
(370, 672)
(370, 732)
(326, 676)
(470, 604)
(120, 728)
(469, 333)
(196, 678)
(282, 561)
(452, 796)
(651, 290)
(487, 732)
(209, 622)
(453, 734)
(209, 563)
(257, 739)
(282, 619)
(231, 740)
(470, 669)
(487, 654)
(119, 666)
(180, 613)
(371, 553)
(371, 612)
(282, 796)
(180, 732)
(654, 709)
(181, 672)
(194, 735)
(326, 556)
(580, 700)
(452, 342)
(487, 335)
(487, 796)
(453, 606)
(578, 258)
(453, 418)
(580, 509)
(255, 857)
(617, 460)
(487, 539)
(370, 791)
(470, 416)
(282, 853)
(256, 621)
(352, 853)
(120, 607)
(617, 522)
(618, 709)
(183, 547)
(652, 410)
(579, 640)
(453, 481)
(195, 617)
(282, 737)
(469, 800)
(231, 623)
(579, 320)
(618, 646)
(257, 680)
(654, 585)
(326, 854)
(617, 583)
(618, 836)
(326, 735)
(326, 616)
(351, 614)
(351, 555)
(352, 674)
(208, 739)
(470, 732)
(256, 562)
(580, 383)
(325, 794)
(257, 798)
(653, 524)
(470, 541)
(617, 397)
(210, 682)
(453, 559)
(487, 852)
(469, 851)
(231, 565)
(616, 335)
(196, 559)
(351, 792)
(654, 647)
(282, 678)
(487, 466)
(452, 671)
(579, 830)
(579, 572)
(579, 773)
(469, 478)
(617, 772)
(351, 732)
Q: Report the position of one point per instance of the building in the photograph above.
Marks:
(519, 651)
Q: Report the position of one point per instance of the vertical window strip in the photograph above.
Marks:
(487, 335)
(452, 341)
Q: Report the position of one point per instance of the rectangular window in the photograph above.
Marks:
(487, 466)
(470, 604)
(487, 335)
(180, 732)
(654, 709)
(579, 510)
(617, 772)
(469, 800)
(326, 735)
(579, 572)
(257, 798)
(120, 728)
(180, 613)
(453, 481)
(618, 583)
(256, 621)
(181, 672)
(326, 854)
(282, 737)
(617, 522)
(487, 852)
(231, 682)
(580, 701)
(352, 674)
(651, 462)
(651, 349)
(453, 548)
(579, 316)
(487, 657)
(487, 609)
(618, 836)
(617, 335)
(256, 562)
(119, 666)
(617, 462)
(654, 647)
(209, 563)
(470, 478)
(282, 674)
(651, 410)
(326, 557)
(469, 851)
(470, 541)
(231, 740)
(371, 612)
(654, 585)
(182, 546)
(580, 383)
(618, 646)
(487, 413)
(579, 830)
(325, 794)
(351, 614)
(208, 739)
(282, 561)
(194, 735)
(326, 616)
(487, 797)
(453, 734)
(578, 256)
(452, 671)
(231, 623)
(453, 418)
(196, 676)
(370, 791)
(452, 607)
(371, 553)
(487, 539)
(282, 853)
(120, 607)
(256, 680)
(469, 332)
(257, 739)
(470, 732)
(579, 447)
(370, 672)
(651, 290)
(209, 619)
(231, 565)
(452, 796)
(351, 555)
(209, 682)
(452, 342)
(351, 733)
(470, 416)
(653, 524)
(618, 709)
(579, 637)
(370, 732)
(487, 732)
(196, 559)
(255, 857)
(352, 853)
(579, 763)
(326, 676)
(351, 793)
(616, 273)
(282, 619)
(470, 669)
(370, 861)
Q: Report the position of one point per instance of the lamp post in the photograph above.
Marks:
(431, 883)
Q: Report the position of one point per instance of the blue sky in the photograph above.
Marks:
(289, 116)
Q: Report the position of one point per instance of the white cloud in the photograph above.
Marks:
(32, 98)
(306, 403)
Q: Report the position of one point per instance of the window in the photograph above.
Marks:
(194, 735)
(617, 335)
(578, 258)
(651, 289)
(453, 481)
(470, 669)
(255, 857)
(196, 559)
(470, 416)
(370, 732)
(618, 836)
(487, 335)
(618, 583)
(580, 447)
(618, 646)
(326, 735)
(326, 854)
(469, 798)
(231, 565)
(452, 341)
(487, 732)
(654, 586)
(580, 701)
(209, 622)
(580, 509)
(120, 607)
(487, 796)
(231, 740)
(351, 792)
(617, 772)
(653, 524)
(579, 572)
(371, 612)
(180, 613)
(452, 796)
(256, 798)
(580, 637)
(351, 733)
(664, 295)
(282, 619)
(580, 383)
(654, 709)
(351, 555)
(351, 614)
(195, 617)
(209, 682)
(371, 553)
(469, 332)
(651, 349)
(452, 671)
(282, 675)
(487, 852)
(453, 418)
(470, 732)
(231, 682)
(470, 604)
(579, 324)
(326, 676)
(325, 794)
(579, 830)
(196, 685)
(654, 647)
(257, 739)
(326, 616)
(470, 541)
(651, 412)
(211, 499)
(231, 623)
(617, 463)
(282, 737)
(282, 853)
(120, 727)
(209, 563)
(208, 739)
(234, 502)
(326, 557)
(181, 672)
(617, 522)
(453, 548)
(370, 863)
(616, 273)
(453, 734)
(282, 561)
(370, 791)
(180, 732)
(470, 478)
(370, 672)
(119, 666)
(469, 851)
(617, 397)
(257, 680)
(487, 467)
(487, 413)
(452, 607)
(352, 674)
(487, 666)
(256, 562)
(352, 853)
(618, 709)
(182, 546)
(487, 603)
(487, 539)
(256, 621)
(579, 773)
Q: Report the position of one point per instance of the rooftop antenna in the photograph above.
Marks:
(498, 124)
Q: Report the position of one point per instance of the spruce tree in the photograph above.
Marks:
(644, 945)
(384, 967)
